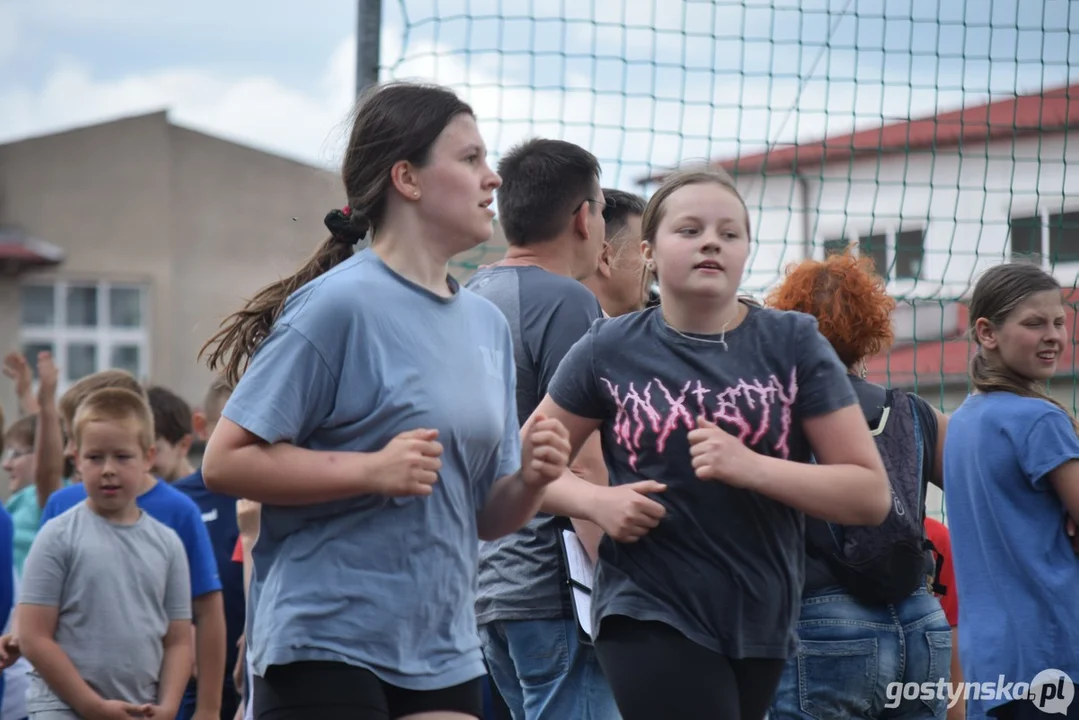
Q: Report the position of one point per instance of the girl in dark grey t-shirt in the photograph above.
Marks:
(724, 402)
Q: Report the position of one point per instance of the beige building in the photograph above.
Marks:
(124, 244)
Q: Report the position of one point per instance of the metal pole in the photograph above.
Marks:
(368, 29)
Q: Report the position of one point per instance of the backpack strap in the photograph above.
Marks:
(885, 413)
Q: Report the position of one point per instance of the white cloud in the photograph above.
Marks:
(255, 110)
(9, 33)
(696, 114)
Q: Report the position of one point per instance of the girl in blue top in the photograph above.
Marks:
(376, 422)
(1012, 488)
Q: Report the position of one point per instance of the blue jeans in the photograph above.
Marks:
(848, 654)
(544, 673)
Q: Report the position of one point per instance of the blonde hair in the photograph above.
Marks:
(77, 393)
(655, 210)
(216, 397)
(116, 405)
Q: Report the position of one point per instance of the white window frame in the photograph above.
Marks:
(102, 336)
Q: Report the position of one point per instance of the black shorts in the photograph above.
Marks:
(336, 691)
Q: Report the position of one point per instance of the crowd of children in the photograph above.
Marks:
(398, 469)
(138, 483)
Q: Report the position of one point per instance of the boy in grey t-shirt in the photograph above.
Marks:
(105, 605)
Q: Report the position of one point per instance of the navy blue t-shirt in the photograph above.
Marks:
(726, 566)
(219, 517)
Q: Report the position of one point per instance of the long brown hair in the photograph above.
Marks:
(998, 293)
(393, 122)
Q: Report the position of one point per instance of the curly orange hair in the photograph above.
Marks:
(848, 298)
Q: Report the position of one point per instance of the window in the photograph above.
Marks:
(835, 246)
(1047, 239)
(909, 253)
(1064, 238)
(897, 255)
(86, 326)
(1026, 237)
(876, 247)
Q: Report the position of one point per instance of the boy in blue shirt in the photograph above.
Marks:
(176, 426)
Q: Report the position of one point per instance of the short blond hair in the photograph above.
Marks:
(216, 397)
(118, 405)
(77, 393)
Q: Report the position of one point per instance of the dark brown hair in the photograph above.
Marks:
(172, 414)
(619, 206)
(849, 300)
(997, 294)
(393, 122)
(544, 183)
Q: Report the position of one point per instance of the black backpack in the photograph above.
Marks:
(887, 563)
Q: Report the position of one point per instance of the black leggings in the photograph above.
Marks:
(336, 691)
(657, 672)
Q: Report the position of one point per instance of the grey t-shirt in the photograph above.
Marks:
(360, 355)
(117, 588)
(521, 575)
(725, 567)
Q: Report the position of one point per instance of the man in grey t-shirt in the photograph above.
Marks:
(550, 207)
(116, 589)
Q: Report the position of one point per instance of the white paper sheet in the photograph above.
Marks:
(581, 570)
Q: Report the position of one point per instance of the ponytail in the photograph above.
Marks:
(230, 349)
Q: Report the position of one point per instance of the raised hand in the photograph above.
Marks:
(18, 370)
(544, 451)
(48, 378)
(409, 464)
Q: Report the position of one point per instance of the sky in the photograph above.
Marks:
(644, 84)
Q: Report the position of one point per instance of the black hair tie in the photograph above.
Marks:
(346, 226)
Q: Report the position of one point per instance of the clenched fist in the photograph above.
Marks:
(718, 455)
(409, 464)
(544, 451)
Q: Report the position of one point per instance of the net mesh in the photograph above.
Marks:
(932, 133)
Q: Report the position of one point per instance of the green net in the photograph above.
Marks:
(932, 133)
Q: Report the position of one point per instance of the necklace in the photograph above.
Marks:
(722, 333)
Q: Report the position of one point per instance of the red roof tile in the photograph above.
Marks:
(946, 360)
(19, 252)
(1050, 110)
